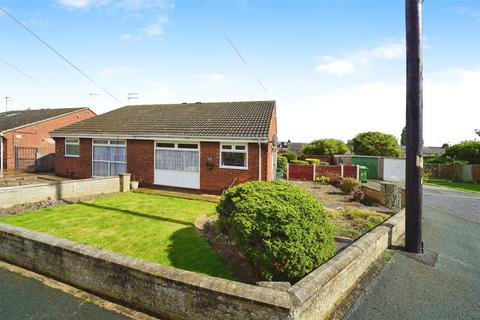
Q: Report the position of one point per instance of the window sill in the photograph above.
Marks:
(71, 156)
(234, 168)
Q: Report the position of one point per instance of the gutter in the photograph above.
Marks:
(166, 138)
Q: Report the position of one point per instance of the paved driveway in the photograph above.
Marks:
(406, 289)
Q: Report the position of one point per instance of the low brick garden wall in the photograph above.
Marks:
(178, 294)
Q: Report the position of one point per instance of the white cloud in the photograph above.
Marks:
(155, 28)
(117, 70)
(451, 112)
(340, 66)
(122, 4)
(336, 67)
(470, 12)
(212, 77)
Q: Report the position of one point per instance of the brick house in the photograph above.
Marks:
(30, 129)
(203, 146)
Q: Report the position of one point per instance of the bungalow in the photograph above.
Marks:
(205, 146)
(21, 130)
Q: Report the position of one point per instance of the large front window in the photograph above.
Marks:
(233, 156)
(109, 157)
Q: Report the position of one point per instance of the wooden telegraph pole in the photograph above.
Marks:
(414, 156)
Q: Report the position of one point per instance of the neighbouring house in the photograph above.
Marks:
(205, 146)
(293, 147)
(428, 151)
(25, 133)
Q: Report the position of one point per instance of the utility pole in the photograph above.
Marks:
(7, 100)
(414, 156)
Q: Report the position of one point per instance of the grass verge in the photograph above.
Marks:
(463, 186)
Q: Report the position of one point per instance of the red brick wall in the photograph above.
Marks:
(37, 135)
(300, 172)
(216, 179)
(271, 154)
(140, 160)
(74, 167)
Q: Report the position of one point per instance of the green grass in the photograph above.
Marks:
(463, 186)
(150, 227)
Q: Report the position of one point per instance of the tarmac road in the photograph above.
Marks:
(407, 289)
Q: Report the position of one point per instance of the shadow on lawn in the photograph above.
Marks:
(189, 250)
(136, 213)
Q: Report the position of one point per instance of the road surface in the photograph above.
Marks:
(407, 289)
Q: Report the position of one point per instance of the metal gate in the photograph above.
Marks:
(34, 159)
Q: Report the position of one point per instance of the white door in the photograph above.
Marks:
(177, 164)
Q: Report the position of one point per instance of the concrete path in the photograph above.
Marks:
(406, 289)
(23, 297)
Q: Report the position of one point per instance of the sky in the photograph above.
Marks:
(334, 67)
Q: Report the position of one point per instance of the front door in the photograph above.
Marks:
(177, 164)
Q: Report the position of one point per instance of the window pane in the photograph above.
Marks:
(116, 168)
(100, 141)
(100, 169)
(74, 141)
(176, 160)
(233, 159)
(118, 142)
(239, 147)
(117, 154)
(187, 146)
(165, 145)
(72, 150)
(226, 147)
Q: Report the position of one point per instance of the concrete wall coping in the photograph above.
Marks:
(52, 183)
(307, 287)
(226, 287)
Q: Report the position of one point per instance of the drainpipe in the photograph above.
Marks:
(259, 161)
(1, 155)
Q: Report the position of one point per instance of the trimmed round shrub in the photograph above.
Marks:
(290, 156)
(281, 228)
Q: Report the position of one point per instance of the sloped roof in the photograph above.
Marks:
(213, 119)
(19, 118)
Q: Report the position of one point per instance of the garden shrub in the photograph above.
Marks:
(299, 162)
(313, 161)
(290, 156)
(282, 163)
(323, 179)
(281, 228)
(348, 184)
(468, 151)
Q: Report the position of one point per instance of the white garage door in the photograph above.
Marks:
(177, 164)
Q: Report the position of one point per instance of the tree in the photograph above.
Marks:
(403, 137)
(477, 131)
(465, 151)
(325, 146)
(376, 144)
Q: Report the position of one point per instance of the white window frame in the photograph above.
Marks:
(176, 147)
(109, 144)
(234, 150)
(72, 144)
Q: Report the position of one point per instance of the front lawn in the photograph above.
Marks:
(150, 227)
(463, 186)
